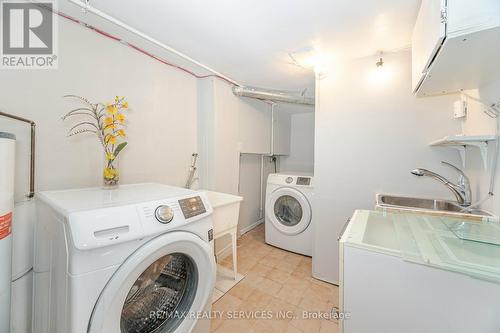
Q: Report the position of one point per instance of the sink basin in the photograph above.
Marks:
(477, 255)
(226, 211)
(478, 232)
(427, 205)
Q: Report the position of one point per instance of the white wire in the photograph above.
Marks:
(491, 110)
(494, 163)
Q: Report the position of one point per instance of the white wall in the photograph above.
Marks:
(254, 126)
(162, 125)
(230, 127)
(163, 110)
(301, 158)
(478, 123)
(250, 186)
(368, 136)
(219, 140)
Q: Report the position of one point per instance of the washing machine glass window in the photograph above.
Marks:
(167, 288)
(288, 210)
(185, 264)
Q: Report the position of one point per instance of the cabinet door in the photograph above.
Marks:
(465, 16)
(428, 36)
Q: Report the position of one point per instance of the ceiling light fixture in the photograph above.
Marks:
(381, 73)
(311, 58)
(380, 62)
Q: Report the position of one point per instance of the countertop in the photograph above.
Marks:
(436, 241)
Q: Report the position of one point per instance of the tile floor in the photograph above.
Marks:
(279, 284)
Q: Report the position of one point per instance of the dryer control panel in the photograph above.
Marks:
(303, 180)
(192, 207)
(174, 212)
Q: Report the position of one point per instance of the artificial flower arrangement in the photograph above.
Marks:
(107, 121)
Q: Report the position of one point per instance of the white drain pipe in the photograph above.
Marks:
(7, 159)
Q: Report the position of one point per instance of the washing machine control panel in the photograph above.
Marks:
(192, 207)
(164, 214)
(303, 181)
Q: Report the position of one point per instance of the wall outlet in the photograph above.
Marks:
(460, 109)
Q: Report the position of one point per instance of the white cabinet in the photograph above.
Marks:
(384, 293)
(455, 45)
(428, 35)
(282, 123)
(406, 273)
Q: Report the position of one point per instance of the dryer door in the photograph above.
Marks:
(289, 211)
(162, 287)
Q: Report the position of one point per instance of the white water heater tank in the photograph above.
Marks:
(7, 160)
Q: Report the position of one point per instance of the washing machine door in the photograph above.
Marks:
(162, 287)
(289, 210)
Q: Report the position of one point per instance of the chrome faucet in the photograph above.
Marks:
(462, 190)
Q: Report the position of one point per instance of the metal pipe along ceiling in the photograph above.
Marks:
(272, 95)
(86, 7)
(258, 93)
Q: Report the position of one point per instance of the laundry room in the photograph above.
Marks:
(249, 166)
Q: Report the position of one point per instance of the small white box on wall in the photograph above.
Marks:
(460, 109)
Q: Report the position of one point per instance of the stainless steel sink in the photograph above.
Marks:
(430, 205)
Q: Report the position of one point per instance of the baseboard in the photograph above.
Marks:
(227, 250)
(251, 227)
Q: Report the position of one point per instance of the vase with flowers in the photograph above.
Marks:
(107, 122)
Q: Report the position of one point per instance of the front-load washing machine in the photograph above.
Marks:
(135, 259)
(288, 223)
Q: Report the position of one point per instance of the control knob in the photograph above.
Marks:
(164, 214)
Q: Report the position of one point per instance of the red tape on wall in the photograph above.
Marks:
(5, 225)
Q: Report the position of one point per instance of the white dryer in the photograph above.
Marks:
(135, 259)
(289, 213)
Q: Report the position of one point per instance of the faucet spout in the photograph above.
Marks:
(461, 191)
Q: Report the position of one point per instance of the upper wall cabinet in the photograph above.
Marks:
(455, 45)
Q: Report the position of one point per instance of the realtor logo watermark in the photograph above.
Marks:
(28, 35)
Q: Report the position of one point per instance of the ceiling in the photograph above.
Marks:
(249, 41)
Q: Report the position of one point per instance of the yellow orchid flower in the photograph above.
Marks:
(110, 156)
(108, 120)
(110, 173)
(111, 109)
(120, 117)
(121, 133)
(110, 139)
(125, 105)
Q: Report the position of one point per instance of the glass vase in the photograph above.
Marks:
(111, 174)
